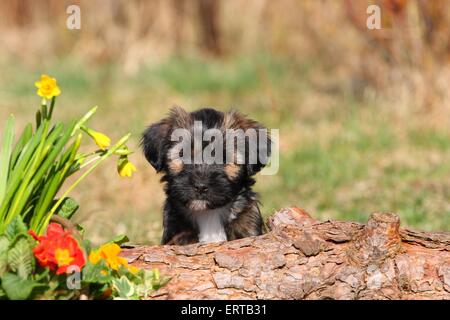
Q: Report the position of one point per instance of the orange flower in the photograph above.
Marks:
(133, 269)
(110, 253)
(58, 250)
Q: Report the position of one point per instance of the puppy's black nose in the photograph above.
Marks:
(200, 187)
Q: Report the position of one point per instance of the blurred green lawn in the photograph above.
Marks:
(343, 155)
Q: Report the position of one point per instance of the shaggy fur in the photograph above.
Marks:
(205, 202)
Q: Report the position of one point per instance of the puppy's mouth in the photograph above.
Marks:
(198, 205)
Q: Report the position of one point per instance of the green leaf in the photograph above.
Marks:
(17, 175)
(156, 274)
(67, 208)
(50, 191)
(40, 219)
(153, 280)
(80, 229)
(22, 206)
(21, 143)
(38, 118)
(120, 239)
(2, 293)
(5, 155)
(136, 278)
(53, 146)
(4, 245)
(149, 281)
(104, 156)
(21, 259)
(66, 295)
(123, 287)
(15, 228)
(92, 273)
(17, 288)
(84, 119)
(161, 282)
(21, 176)
(149, 278)
(87, 245)
(68, 158)
(38, 276)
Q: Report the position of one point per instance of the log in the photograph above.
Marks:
(301, 258)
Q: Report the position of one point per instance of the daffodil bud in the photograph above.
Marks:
(124, 167)
(100, 139)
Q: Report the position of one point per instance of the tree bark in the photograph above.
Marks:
(301, 258)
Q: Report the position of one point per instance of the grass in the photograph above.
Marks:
(342, 157)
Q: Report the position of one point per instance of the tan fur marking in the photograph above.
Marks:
(232, 170)
(180, 117)
(176, 165)
(236, 120)
(228, 120)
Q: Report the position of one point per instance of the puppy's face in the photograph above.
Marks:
(174, 147)
(202, 187)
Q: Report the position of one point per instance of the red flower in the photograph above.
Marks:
(58, 250)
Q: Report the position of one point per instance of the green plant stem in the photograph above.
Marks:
(44, 109)
(83, 120)
(86, 155)
(89, 162)
(52, 105)
(110, 152)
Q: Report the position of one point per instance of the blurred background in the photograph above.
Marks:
(364, 115)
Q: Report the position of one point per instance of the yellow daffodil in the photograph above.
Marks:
(125, 167)
(100, 139)
(47, 87)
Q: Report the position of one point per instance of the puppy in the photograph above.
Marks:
(207, 201)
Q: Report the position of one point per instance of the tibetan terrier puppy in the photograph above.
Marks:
(208, 159)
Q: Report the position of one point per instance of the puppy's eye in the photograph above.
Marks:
(215, 175)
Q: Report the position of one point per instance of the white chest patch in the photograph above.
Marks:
(211, 227)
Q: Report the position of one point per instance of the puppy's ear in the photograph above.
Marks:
(180, 118)
(156, 139)
(263, 150)
(154, 144)
(235, 120)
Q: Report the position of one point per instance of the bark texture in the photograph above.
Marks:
(301, 258)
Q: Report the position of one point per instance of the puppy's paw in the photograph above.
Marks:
(183, 238)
